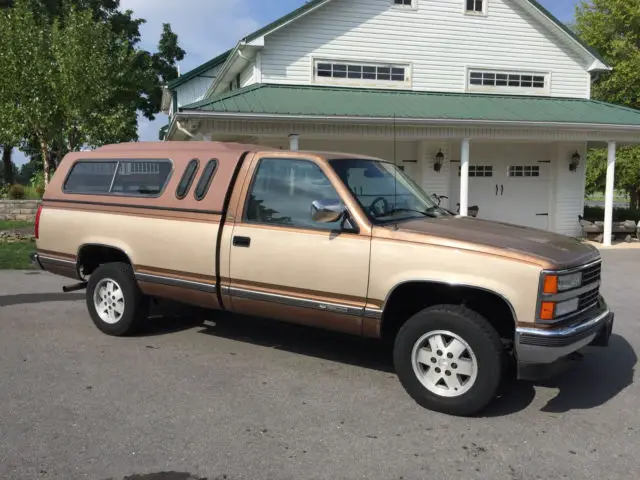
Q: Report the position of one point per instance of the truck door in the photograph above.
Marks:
(283, 264)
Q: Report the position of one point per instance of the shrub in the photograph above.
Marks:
(17, 192)
(596, 214)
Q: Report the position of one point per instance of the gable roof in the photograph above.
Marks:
(310, 5)
(196, 72)
(308, 102)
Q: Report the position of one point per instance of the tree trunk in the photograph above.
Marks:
(7, 150)
(45, 161)
(634, 196)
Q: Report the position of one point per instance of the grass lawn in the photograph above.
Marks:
(15, 256)
(14, 224)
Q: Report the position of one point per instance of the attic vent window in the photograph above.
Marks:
(475, 6)
(404, 3)
(358, 74)
(495, 81)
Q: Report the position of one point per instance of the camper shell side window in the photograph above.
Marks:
(121, 177)
(205, 180)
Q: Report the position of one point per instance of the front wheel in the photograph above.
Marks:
(449, 359)
(115, 303)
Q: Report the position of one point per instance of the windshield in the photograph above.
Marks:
(385, 192)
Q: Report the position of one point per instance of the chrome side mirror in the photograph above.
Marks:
(327, 211)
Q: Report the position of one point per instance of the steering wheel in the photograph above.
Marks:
(373, 211)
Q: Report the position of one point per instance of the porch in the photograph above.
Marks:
(519, 160)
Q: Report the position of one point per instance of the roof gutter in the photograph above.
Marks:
(402, 120)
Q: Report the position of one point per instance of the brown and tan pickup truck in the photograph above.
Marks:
(335, 241)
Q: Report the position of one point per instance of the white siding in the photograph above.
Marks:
(194, 89)
(437, 39)
(567, 189)
(431, 181)
(247, 77)
(375, 148)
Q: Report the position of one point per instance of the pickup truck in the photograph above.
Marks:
(329, 240)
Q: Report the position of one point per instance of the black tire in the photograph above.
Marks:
(136, 305)
(480, 336)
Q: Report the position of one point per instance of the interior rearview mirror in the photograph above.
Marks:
(327, 211)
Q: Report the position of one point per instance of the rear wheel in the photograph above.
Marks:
(116, 304)
(449, 359)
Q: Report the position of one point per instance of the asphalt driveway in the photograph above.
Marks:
(238, 398)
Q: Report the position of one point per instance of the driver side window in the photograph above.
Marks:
(282, 191)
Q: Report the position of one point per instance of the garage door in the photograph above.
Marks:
(507, 191)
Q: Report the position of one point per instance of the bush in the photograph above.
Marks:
(596, 214)
(17, 192)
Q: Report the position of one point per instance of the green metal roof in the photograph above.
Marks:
(196, 72)
(318, 101)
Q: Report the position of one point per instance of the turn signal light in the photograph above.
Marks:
(550, 284)
(547, 310)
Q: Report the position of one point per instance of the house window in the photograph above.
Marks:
(404, 3)
(524, 170)
(478, 171)
(487, 80)
(360, 72)
(475, 6)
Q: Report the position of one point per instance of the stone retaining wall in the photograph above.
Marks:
(18, 209)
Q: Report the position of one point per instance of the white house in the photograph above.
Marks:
(484, 101)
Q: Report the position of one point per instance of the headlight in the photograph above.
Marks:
(561, 283)
(565, 308)
(569, 282)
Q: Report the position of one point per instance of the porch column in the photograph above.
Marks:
(464, 178)
(294, 142)
(608, 196)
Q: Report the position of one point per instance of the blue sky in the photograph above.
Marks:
(208, 27)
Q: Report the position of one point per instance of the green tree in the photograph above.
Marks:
(76, 76)
(612, 27)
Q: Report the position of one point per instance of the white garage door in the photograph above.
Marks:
(507, 191)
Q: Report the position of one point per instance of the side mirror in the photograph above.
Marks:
(327, 211)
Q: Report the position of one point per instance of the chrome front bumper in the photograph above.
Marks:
(546, 346)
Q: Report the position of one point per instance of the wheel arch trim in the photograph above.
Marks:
(101, 245)
(453, 285)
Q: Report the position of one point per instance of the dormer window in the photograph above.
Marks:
(476, 6)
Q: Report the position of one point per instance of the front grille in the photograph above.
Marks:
(588, 300)
(592, 274)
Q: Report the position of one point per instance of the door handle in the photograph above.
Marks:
(241, 242)
(496, 189)
(501, 189)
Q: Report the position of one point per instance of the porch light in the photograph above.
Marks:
(575, 161)
(437, 164)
